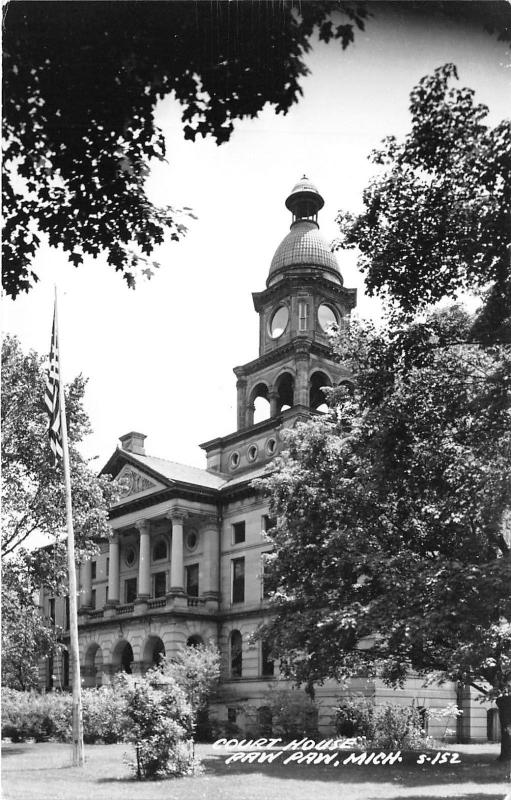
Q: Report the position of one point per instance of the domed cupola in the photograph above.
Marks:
(303, 249)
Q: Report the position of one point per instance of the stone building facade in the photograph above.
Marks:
(185, 563)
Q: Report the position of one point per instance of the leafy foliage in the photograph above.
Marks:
(392, 548)
(196, 670)
(32, 493)
(80, 87)
(387, 727)
(437, 216)
(33, 503)
(158, 727)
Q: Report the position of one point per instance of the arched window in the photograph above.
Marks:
(194, 641)
(236, 654)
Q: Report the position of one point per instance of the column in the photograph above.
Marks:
(274, 398)
(241, 386)
(211, 539)
(176, 559)
(113, 571)
(86, 584)
(144, 562)
(302, 391)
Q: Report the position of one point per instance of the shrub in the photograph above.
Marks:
(105, 713)
(196, 670)
(287, 713)
(159, 726)
(388, 727)
(27, 715)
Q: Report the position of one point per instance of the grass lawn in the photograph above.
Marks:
(43, 772)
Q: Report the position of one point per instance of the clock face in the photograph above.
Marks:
(326, 316)
(279, 322)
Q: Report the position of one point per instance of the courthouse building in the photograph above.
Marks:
(185, 563)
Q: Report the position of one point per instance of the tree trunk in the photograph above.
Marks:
(504, 706)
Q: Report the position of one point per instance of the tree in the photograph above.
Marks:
(26, 635)
(437, 217)
(33, 503)
(394, 517)
(81, 81)
(32, 491)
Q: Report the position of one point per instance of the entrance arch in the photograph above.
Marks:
(154, 651)
(122, 657)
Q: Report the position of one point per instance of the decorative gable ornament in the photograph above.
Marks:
(130, 481)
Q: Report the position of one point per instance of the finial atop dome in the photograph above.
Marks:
(305, 201)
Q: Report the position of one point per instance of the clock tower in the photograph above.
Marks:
(304, 298)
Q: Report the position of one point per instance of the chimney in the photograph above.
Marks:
(133, 442)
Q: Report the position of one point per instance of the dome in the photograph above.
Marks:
(303, 246)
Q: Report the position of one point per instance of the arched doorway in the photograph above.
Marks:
(154, 652)
(93, 666)
(122, 659)
(194, 641)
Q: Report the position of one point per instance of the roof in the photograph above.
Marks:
(303, 246)
(182, 473)
(305, 188)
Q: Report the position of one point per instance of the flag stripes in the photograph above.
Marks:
(52, 396)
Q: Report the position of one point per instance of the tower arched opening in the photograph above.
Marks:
(259, 405)
(285, 387)
(317, 397)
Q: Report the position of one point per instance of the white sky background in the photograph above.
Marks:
(159, 359)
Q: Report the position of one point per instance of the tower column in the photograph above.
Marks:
(302, 389)
(241, 386)
(274, 398)
(113, 570)
(144, 562)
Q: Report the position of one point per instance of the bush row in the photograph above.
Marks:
(27, 715)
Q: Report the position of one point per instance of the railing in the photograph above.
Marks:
(126, 609)
(193, 602)
(96, 614)
(159, 602)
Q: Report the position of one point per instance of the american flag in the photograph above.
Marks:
(52, 397)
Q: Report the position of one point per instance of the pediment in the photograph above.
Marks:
(132, 483)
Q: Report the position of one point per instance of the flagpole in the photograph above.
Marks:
(77, 720)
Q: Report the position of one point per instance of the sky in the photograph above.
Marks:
(159, 359)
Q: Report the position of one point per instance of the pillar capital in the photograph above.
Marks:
(177, 515)
(142, 525)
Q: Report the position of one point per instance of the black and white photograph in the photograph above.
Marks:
(256, 400)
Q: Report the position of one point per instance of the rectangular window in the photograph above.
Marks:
(303, 315)
(130, 590)
(67, 613)
(267, 522)
(106, 594)
(265, 591)
(267, 663)
(93, 571)
(192, 580)
(238, 580)
(238, 532)
(231, 715)
(160, 584)
(93, 598)
(51, 609)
